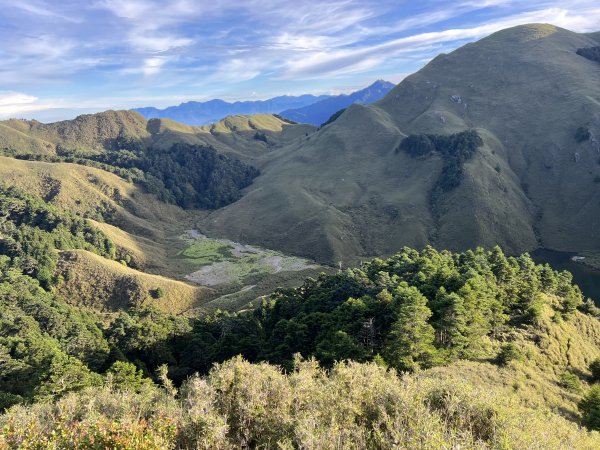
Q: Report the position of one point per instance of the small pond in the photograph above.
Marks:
(587, 278)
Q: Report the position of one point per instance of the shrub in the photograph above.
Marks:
(595, 369)
(260, 136)
(582, 134)
(158, 293)
(589, 406)
(417, 145)
(455, 150)
(126, 376)
(591, 53)
(509, 352)
(570, 381)
(243, 405)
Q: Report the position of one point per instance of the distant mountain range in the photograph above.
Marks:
(204, 113)
(313, 109)
(319, 112)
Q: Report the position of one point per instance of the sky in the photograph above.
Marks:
(61, 58)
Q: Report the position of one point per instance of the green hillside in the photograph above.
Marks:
(507, 352)
(344, 193)
(245, 137)
(257, 283)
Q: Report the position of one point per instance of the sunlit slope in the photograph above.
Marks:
(88, 132)
(91, 280)
(343, 193)
(248, 138)
(93, 193)
(551, 349)
(103, 285)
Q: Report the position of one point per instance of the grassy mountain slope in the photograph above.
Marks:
(148, 234)
(104, 285)
(91, 192)
(88, 132)
(245, 137)
(12, 137)
(344, 193)
(249, 138)
(552, 349)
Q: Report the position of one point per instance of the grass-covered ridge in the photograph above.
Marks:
(191, 176)
(530, 182)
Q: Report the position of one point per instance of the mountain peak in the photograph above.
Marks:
(319, 112)
(528, 32)
(381, 83)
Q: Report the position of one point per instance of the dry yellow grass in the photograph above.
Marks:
(94, 133)
(234, 135)
(91, 132)
(12, 137)
(86, 190)
(550, 349)
(104, 285)
(147, 254)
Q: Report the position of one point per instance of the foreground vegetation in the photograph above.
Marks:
(73, 377)
(258, 406)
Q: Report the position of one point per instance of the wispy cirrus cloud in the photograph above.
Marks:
(66, 49)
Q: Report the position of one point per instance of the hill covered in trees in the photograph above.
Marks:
(434, 311)
(190, 176)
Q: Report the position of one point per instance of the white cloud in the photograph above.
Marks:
(152, 65)
(216, 47)
(39, 8)
(359, 58)
(15, 103)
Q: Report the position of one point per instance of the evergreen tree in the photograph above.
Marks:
(410, 344)
(453, 326)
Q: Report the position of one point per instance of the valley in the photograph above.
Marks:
(397, 276)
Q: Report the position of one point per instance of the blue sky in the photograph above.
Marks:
(61, 58)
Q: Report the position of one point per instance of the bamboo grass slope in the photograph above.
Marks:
(347, 192)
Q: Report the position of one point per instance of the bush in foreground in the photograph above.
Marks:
(258, 406)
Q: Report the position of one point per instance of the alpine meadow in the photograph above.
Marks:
(282, 252)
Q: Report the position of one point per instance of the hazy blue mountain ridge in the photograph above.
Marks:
(319, 112)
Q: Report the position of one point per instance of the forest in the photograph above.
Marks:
(191, 176)
(416, 309)
(412, 311)
(591, 53)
